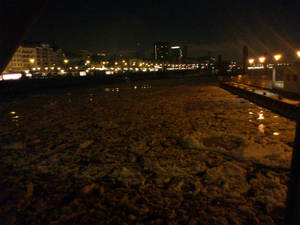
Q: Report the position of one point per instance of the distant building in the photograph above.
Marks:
(176, 54)
(23, 59)
(30, 55)
(161, 51)
(85, 54)
(139, 53)
(185, 51)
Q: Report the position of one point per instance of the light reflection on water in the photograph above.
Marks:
(15, 118)
(143, 86)
(260, 80)
(112, 90)
(91, 97)
(261, 116)
(261, 128)
(146, 86)
(135, 87)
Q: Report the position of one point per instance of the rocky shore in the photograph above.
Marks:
(166, 152)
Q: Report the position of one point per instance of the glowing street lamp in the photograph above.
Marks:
(31, 61)
(88, 61)
(298, 54)
(277, 57)
(262, 59)
(251, 61)
(66, 61)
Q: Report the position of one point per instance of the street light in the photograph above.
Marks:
(298, 54)
(88, 61)
(251, 61)
(31, 61)
(277, 57)
(262, 59)
(66, 61)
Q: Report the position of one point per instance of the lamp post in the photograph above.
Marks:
(251, 61)
(277, 57)
(66, 61)
(31, 62)
(262, 59)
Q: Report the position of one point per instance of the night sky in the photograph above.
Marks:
(219, 27)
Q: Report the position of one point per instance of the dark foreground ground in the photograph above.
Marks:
(177, 151)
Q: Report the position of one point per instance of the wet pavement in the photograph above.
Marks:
(160, 152)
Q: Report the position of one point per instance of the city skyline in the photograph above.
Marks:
(219, 28)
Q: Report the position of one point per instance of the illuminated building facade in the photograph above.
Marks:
(23, 59)
(161, 51)
(176, 54)
(33, 55)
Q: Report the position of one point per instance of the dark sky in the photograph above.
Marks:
(218, 26)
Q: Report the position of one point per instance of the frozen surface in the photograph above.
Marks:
(166, 152)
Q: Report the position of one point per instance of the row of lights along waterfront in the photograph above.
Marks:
(276, 57)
